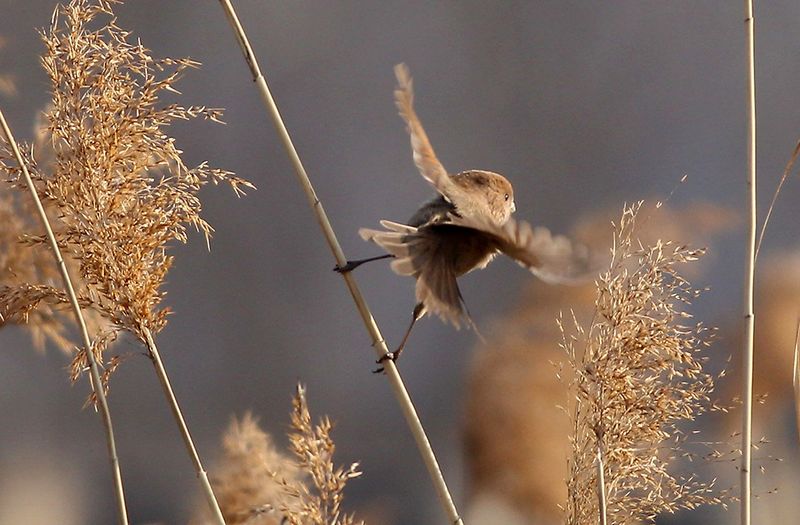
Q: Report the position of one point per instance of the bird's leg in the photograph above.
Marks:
(419, 311)
(352, 265)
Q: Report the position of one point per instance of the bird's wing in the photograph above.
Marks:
(552, 258)
(419, 255)
(424, 157)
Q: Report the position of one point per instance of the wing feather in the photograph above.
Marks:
(552, 258)
(424, 157)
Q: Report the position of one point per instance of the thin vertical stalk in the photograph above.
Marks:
(395, 380)
(601, 486)
(749, 278)
(161, 372)
(796, 376)
(96, 383)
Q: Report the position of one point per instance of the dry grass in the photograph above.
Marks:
(638, 374)
(257, 484)
(517, 445)
(21, 301)
(114, 180)
(116, 187)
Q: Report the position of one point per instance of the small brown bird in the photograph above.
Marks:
(461, 229)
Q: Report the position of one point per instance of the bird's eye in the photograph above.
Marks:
(506, 196)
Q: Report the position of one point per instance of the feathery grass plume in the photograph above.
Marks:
(246, 480)
(257, 484)
(517, 446)
(638, 374)
(21, 301)
(320, 503)
(26, 263)
(118, 185)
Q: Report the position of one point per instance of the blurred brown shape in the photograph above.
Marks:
(695, 225)
(7, 85)
(247, 475)
(777, 313)
(516, 433)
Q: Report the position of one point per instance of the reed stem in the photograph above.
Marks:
(749, 314)
(96, 383)
(395, 380)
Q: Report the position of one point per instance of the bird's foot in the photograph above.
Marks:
(348, 267)
(388, 356)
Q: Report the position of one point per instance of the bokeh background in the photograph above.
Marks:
(582, 105)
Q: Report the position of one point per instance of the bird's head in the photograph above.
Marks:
(488, 193)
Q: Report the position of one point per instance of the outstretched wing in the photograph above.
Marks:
(424, 157)
(552, 258)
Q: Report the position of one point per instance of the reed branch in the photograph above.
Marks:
(378, 342)
(749, 278)
(96, 383)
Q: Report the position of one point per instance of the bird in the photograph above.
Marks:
(461, 229)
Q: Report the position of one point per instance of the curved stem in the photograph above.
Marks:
(396, 381)
(96, 383)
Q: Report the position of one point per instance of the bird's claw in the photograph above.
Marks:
(388, 356)
(348, 267)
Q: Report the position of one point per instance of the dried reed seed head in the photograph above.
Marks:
(517, 433)
(115, 180)
(696, 224)
(246, 479)
(257, 484)
(21, 302)
(638, 374)
(313, 448)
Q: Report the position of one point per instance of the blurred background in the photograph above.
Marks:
(583, 107)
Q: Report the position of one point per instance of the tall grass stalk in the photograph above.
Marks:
(749, 277)
(601, 486)
(97, 384)
(796, 376)
(163, 378)
(378, 342)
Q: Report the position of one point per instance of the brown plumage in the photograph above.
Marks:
(462, 229)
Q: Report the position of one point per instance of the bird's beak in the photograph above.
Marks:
(513, 207)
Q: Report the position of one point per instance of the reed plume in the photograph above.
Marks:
(638, 374)
(27, 278)
(117, 184)
(517, 446)
(257, 484)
